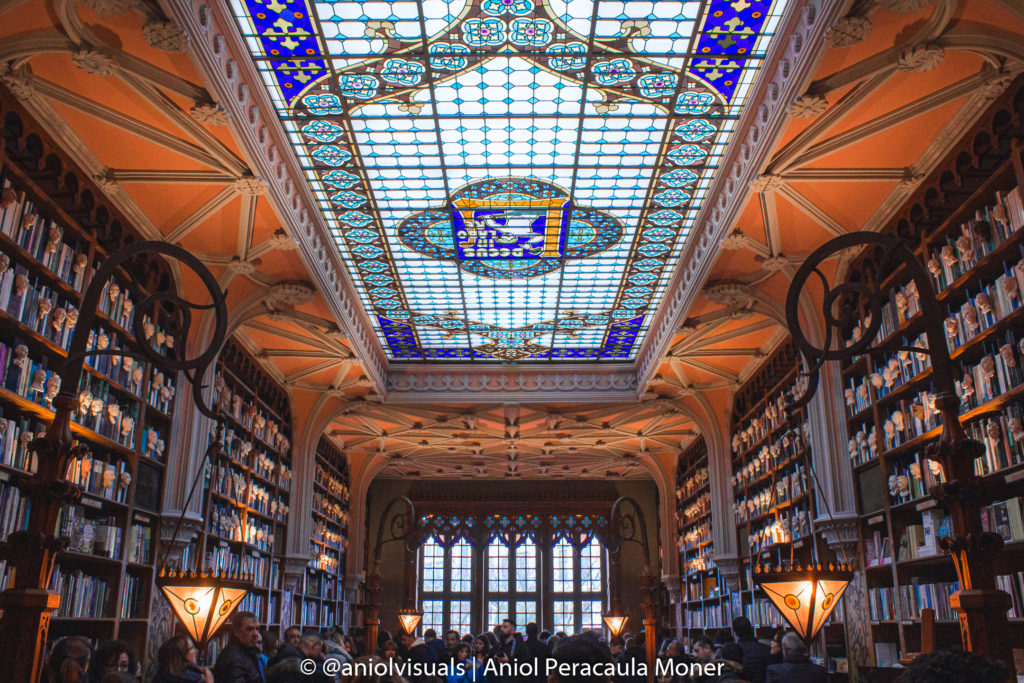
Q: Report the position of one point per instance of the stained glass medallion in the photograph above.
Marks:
(509, 180)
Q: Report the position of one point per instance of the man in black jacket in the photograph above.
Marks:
(755, 653)
(510, 649)
(239, 662)
(537, 651)
(796, 666)
(302, 664)
(418, 655)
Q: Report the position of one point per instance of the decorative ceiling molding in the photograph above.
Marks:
(514, 441)
(221, 58)
(522, 384)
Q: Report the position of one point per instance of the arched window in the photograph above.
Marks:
(446, 585)
(512, 582)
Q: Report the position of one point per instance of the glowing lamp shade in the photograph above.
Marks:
(805, 597)
(202, 604)
(616, 624)
(410, 619)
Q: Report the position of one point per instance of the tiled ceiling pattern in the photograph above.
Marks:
(509, 180)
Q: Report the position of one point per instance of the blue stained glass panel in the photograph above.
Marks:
(509, 180)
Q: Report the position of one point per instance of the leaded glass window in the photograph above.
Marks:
(512, 581)
(578, 585)
(446, 584)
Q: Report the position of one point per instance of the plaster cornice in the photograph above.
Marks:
(585, 384)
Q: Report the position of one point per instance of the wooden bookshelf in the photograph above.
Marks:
(320, 602)
(773, 492)
(967, 222)
(55, 230)
(705, 606)
(249, 490)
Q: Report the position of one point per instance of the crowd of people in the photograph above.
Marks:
(255, 655)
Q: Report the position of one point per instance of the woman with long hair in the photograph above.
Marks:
(177, 660)
(482, 648)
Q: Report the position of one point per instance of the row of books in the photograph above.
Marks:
(330, 508)
(696, 534)
(790, 525)
(1005, 518)
(98, 409)
(101, 536)
(882, 604)
(116, 304)
(264, 568)
(784, 487)
(140, 544)
(14, 510)
(705, 588)
(877, 549)
(976, 239)
(1014, 585)
(773, 416)
(255, 602)
(123, 370)
(980, 311)
(81, 595)
(233, 483)
(160, 394)
(324, 559)
(698, 508)
(16, 431)
(909, 419)
(132, 596)
(709, 616)
(913, 478)
(695, 481)
(1002, 434)
(227, 523)
(915, 597)
(863, 446)
(99, 477)
(6, 575)
(768, 460)
(37, 306)
(248, 414)
(241, 450)
(327, 534)
(42, 238)
(997, 372)
(337, 487)
(922, 540)
(901, 367)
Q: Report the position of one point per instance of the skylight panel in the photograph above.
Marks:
(509, 180)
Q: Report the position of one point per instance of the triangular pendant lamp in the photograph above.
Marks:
(805, 597)
(202, 602)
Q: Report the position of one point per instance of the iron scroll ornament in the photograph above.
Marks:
(177, 320)
(626, 525)
(894, 253)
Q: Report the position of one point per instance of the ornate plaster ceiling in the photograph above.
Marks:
(513, 441)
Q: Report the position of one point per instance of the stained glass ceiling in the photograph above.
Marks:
(509, 180)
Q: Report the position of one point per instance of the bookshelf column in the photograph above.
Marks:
(723, 536)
